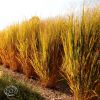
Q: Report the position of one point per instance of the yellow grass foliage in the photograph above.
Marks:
(67, 46)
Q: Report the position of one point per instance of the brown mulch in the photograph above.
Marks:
(61, 92)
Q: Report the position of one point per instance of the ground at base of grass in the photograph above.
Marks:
(29, 89)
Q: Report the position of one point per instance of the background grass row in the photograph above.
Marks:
(62, 46)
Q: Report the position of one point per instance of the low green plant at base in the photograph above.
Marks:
(24, 93)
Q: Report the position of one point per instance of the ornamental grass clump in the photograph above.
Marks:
(3, 52)
(47, 50)
(23, 46)
(80, 65)
(8, 49)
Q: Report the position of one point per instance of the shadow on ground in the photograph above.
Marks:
(63, 87)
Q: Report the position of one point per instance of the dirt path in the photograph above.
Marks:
(49, 94)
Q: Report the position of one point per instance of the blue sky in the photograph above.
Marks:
(12, 11)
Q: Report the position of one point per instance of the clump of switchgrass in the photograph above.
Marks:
(7, 47)
(46, 57)
(3, 43)
(80, 66)
(55, 50)
(38, 57)
(23, 47)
